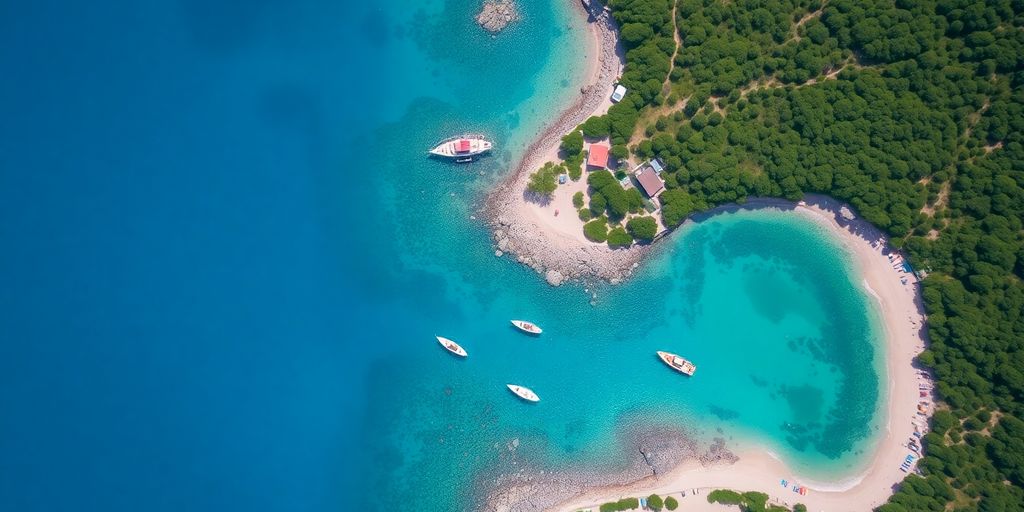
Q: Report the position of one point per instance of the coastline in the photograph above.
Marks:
(756, 468)
(531, 231)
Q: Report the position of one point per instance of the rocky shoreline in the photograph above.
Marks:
(532, 245)
(647, 454)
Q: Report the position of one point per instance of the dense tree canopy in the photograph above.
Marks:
(642, 228)
(913, 112)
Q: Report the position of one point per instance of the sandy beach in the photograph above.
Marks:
(548, 237)
(757, 469)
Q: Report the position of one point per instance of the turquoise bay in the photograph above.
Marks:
(227, 258)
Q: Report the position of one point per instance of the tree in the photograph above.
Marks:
(655, 502)
(725, 497)
(544, 181)
(634, 33)
(572, 143)
(643, 228)
(596, 230)
(577, 200)
(595, 127)
(676, 205)
(598, 204)
(671, 503)
(618, 237)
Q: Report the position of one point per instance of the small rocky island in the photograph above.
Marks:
(497, 14)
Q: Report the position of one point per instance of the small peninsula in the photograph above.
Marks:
(897, 126)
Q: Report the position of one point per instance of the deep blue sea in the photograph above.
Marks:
(224, 258)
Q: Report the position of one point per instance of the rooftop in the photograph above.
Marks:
(656, 164)
(598, 156)
(649, 181)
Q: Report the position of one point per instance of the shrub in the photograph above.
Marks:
(725, 497)
(654, 501)
(585, 214)
(799, 507)
(671, 503)
(629, 503)
(596, 230)
(634, 200)
(618, 237)
(577, 200)
(642, 228)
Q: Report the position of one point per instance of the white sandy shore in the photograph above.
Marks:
(757, 470)
(554, 244)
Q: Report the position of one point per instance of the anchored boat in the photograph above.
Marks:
(451, 346)
(527, 327)
(677, 363)
(462, 148)
(524, 392)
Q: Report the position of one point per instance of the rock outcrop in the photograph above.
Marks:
(497, 14)
(648, 453)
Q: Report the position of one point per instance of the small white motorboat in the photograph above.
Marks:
(527, 327)
(524, 392)
(677, 363)
(451, 346)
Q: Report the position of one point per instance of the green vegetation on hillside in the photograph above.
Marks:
(913, 112)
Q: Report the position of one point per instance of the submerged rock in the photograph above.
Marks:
(497, 14)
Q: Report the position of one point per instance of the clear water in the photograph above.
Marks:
(225, 258)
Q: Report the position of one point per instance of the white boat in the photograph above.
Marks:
(524, 392)
(462, 147)
(677, 363)
(451, 346)
(527, 327)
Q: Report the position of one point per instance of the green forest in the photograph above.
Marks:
(910, 111)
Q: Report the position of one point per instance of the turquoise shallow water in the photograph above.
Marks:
(762, 301)
(226, 258)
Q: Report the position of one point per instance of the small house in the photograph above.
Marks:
(649, 181)
(597, 156)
